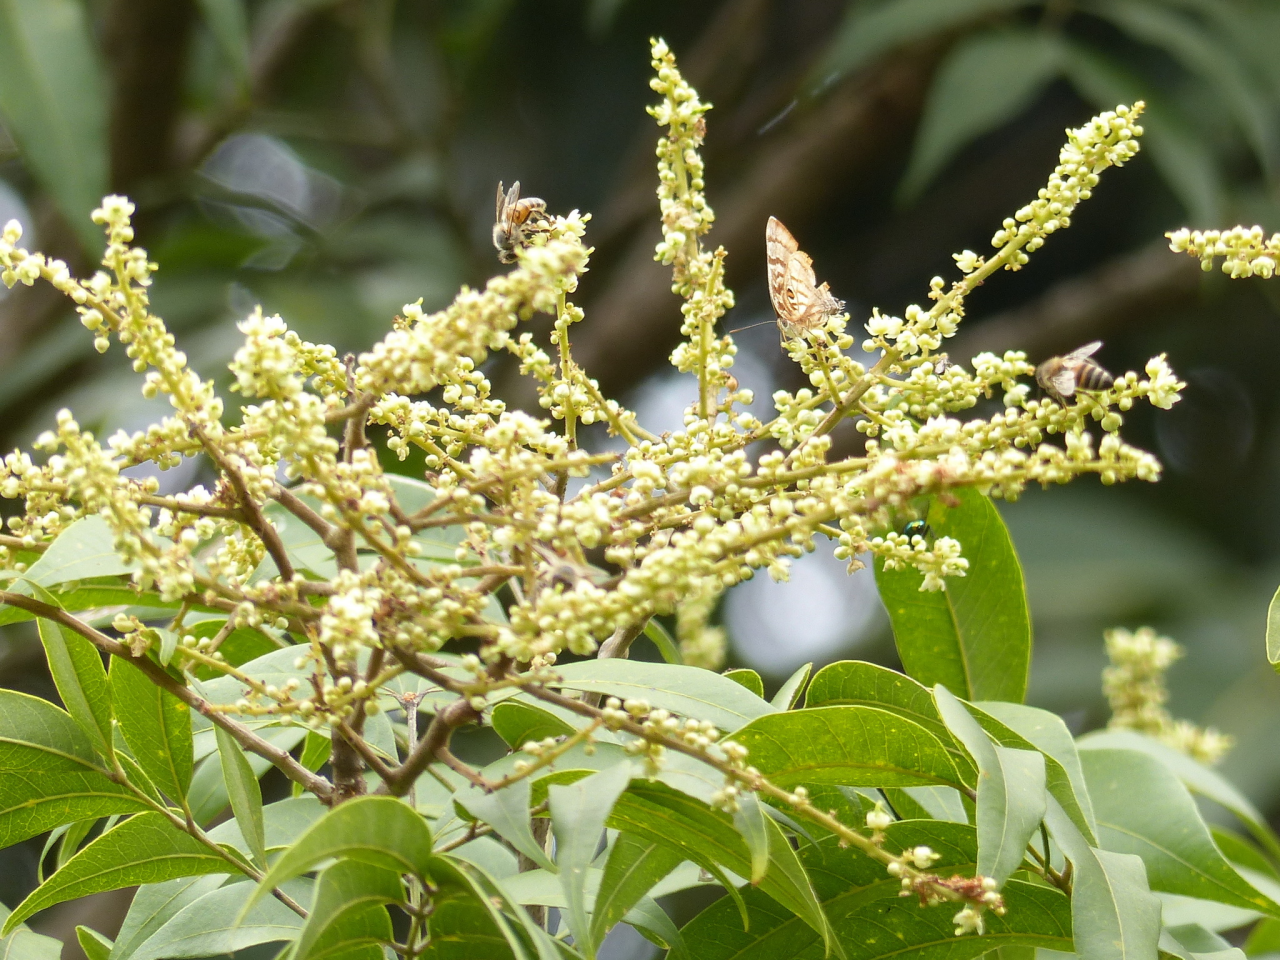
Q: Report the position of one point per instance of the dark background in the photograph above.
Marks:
(334, 160)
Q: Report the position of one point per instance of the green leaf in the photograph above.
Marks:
(1011, 791)
(868, 915)
(666, 645)
(788, 694)
(146, 848)
(213, 924)
(157, 727)
(653, 811)
(1015, 725)
(315, 754)
(578, 815)
(974, 637)
(1264, 938)
(245, 795)
(54, 100)
(1194, 776)
(654, 925)
(927, 803)
(81, 680)
(986, 80)
(688, 691)
(750, 819)
(71, 841)
(1180, 155)
(207, 796)
(94, 944)
(22, 944)
(1144, 810)
(517, 722)
(229, 23)
(153, 905)
(49, 772)
(81, 551)
(507, 811)
(1113, 912)
(1202, 54)
(854, 746)
(349, 908)
(1273, 631)
(870, 31)
(633, 867)
(1191, 941)
(748, 678)
(380, 831)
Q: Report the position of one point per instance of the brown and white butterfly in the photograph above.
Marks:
(800, 303)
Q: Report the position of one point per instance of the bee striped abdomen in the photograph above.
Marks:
(1093, 377)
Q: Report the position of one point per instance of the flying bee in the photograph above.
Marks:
(1061, 377)
(516, 220)
(917, 528)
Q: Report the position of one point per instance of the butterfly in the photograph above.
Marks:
(800, 303)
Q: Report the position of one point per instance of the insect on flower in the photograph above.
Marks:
(800, 303)
(1061, 377)
(515, 220)
(917, 528)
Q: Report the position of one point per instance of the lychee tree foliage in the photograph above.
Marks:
(310, 612)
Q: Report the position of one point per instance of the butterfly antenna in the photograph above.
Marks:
(750, 325)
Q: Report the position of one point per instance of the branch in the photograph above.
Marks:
(281, 759)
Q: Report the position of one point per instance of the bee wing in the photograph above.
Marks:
(1080, 353)
(497, 210)
(1064, 381)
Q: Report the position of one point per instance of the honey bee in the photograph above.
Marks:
(800, 303)
(515, 220)
(1061, 377)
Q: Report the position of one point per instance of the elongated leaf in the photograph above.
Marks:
(81, 551)
(869, 32)
(1143, 809)
(1184, 161)
(975, 636)
(23, 944)
(1273, 631)
(507, 811)
(665, 643)
(1190, 941)
(143, 849)
(245, 795)
(1114, 915)
(1011, 791)
(930, 803)
(81, 680)
(689, 691)
(986, 80)
(517, 723)
(870, 917)
(1194, 776)
(349, 907)
(380, 831)
(1044, 731)
(207, 796)
(94, 944)
(578, 815)
(633, 867)
(157, 727)
(748, 678)
(1200, 52)
(49, 773)
(229, 23)
(750, 819)
(208, 926)
(789, 693)
(854, 746)
(153, 905)
(656, 927)
(53, 98)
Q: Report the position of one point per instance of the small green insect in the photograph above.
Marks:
(917, 528)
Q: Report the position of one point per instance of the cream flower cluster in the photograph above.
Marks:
(1245, 251)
